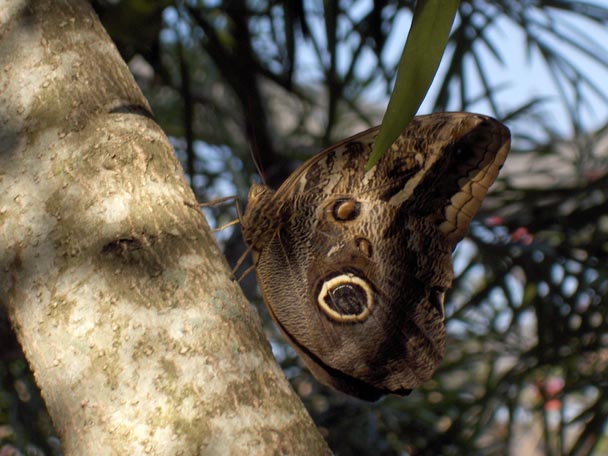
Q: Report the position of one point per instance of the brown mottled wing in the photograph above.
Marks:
(463, 154)
(328, 170)
(353, 265)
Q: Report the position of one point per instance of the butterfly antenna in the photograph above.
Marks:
(254, 150)
(257, 162)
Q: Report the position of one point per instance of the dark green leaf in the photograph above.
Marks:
(421, 56)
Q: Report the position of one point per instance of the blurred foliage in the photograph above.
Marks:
(239, 82)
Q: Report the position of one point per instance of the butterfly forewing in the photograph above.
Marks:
(353, 264)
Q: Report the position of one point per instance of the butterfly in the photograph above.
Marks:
(354, 265)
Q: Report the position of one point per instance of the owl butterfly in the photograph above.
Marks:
(354, 265)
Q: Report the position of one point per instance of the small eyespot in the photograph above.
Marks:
(346, 298)
(346, 209)
(364, 246)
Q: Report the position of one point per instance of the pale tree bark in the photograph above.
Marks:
(138, 337)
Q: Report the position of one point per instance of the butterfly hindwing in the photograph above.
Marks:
(353, 265)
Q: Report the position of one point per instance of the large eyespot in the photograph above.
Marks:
(345, 209)
(346, 298)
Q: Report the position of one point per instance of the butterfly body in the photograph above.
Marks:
(353, 265)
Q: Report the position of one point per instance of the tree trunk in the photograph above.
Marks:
(139, 339)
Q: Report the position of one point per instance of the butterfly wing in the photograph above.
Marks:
(353, 265)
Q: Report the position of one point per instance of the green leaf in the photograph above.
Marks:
(421, 56)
